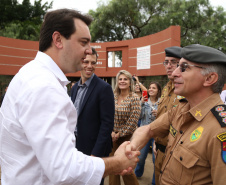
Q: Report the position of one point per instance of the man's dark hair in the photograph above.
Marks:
(94, 52)
(61, 20)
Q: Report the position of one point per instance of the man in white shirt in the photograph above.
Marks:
(38, 118)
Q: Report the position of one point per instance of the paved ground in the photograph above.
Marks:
(147, 176)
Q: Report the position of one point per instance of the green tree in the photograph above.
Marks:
(128, 19)
(22, 21)
(21, 30)
(200, 23)
(124, 19)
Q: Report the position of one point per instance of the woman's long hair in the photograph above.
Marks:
(159, 90)
(128, 75)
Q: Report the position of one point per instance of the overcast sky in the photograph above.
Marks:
(85, 5)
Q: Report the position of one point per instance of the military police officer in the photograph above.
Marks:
(196, 150)
(168, 100)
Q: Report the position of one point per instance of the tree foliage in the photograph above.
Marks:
(128, 19)
(22, 21)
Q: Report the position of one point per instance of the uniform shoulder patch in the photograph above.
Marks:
(222, 138)
(181, 98)
(219, 112)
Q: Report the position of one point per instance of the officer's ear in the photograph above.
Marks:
(210, 79)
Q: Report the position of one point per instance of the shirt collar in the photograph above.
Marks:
(171, 84)
(87, 82)
(47, 61)
(150, 103)
(201, 110)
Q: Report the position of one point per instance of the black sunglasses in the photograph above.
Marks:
(184, 66)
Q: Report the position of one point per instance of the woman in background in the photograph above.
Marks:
(138, 89)
(148, 113)
(127, 113)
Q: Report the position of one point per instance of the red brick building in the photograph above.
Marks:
(141, 56)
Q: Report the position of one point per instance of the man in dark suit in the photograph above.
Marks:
(94, 101)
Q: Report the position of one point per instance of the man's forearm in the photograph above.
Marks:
(141, 136)
(112, 166)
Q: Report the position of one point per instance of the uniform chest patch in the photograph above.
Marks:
(173, 131)
(196, 134)
(219, 112)
(222, 138)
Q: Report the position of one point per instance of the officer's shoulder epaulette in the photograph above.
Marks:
(219, 112)
(182, 99)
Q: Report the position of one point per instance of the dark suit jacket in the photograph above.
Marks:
(96, 118)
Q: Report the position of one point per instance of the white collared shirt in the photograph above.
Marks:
(38, 119)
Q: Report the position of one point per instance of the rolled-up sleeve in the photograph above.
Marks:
(161, 125)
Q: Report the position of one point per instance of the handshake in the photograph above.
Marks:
(123, 162)
(126, 156)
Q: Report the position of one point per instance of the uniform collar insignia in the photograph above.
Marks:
(198, 112)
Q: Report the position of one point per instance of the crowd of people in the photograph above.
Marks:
(48, 137)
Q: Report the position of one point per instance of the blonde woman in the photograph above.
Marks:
(127, 113)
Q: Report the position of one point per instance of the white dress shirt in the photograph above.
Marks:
(38, 119)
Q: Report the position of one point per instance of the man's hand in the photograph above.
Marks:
(120, 163)
(126, 156)
(129, 163)
(139, 139)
